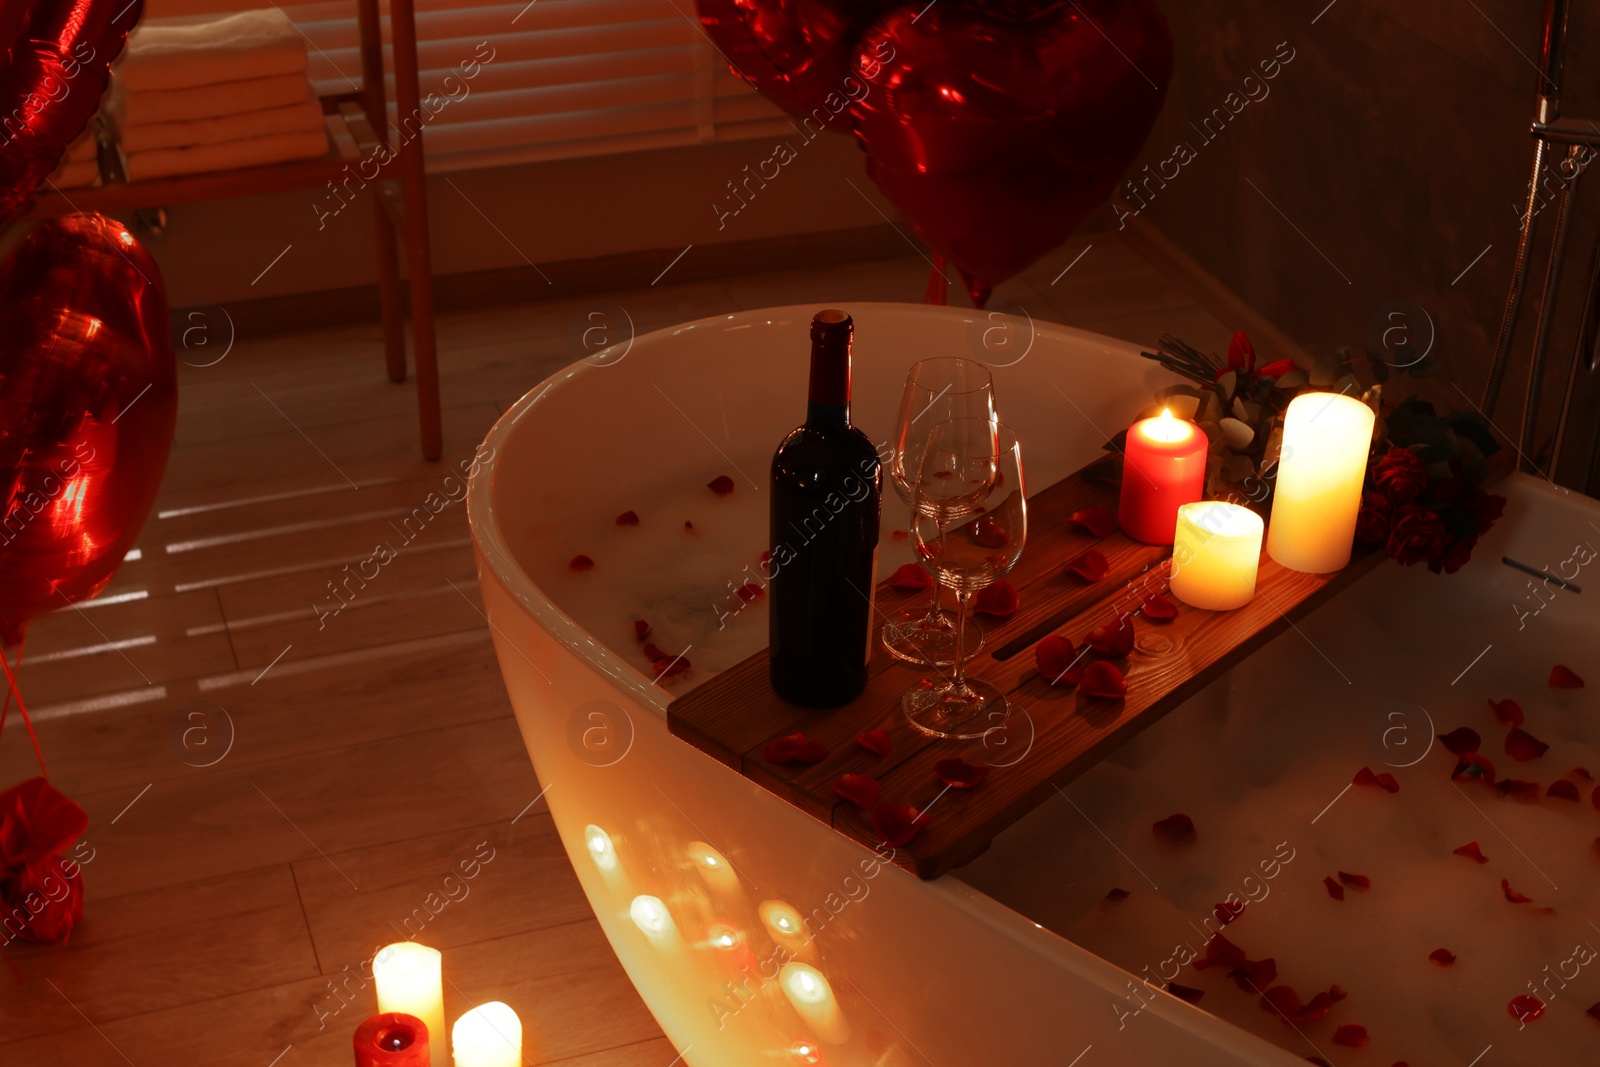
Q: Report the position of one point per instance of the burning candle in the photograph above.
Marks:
(410, 980)
(489, 1035)
(392, 1040)
(1164, 467)
(1214, 559)
(813, 999)
(1326, 440)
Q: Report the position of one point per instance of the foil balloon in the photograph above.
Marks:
(998, 125)
(799, 53)
(57, 57)
(88, 401)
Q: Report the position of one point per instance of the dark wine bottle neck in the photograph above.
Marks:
(831, 333)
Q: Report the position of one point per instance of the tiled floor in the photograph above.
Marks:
(274, 795)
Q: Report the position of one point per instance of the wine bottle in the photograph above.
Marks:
(826, 487)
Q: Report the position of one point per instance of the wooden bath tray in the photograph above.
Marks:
(734, 716)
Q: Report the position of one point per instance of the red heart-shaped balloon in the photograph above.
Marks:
(88, 401)
(799, 53)
(999, 124)
(58, 62)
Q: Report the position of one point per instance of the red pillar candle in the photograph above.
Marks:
(392, 1040)
(1164, 467)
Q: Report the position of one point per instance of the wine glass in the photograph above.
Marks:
(972, 471)
(936, 390)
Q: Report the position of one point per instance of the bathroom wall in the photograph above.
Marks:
(1382, 155)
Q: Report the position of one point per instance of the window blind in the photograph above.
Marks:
(522, 82)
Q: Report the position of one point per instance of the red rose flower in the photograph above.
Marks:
(1454, 557)
(1416, 535)
(1374, 519)
(1485, 508)
(1400, 475)
(41, 894)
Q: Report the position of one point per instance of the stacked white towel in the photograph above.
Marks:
(219, 93)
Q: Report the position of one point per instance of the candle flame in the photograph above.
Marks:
(1166, 428)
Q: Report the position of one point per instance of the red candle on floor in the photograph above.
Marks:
(392, 1040)
(1164, 468)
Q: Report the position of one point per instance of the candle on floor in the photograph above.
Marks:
(489, 1035)
(1164, 467)
(813, 999)
(410, 980)
(392, 1040)
(1326, 440)
(1215, 555)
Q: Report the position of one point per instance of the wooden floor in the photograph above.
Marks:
(272, 796)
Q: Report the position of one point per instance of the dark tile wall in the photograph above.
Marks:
(1373, 167)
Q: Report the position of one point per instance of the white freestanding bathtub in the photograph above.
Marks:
(705, 883)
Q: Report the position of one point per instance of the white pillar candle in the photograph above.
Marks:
(410, 980)
(1326, 440)
(654, 921)
(489, 1035)
(813, 999)
(1215, 556)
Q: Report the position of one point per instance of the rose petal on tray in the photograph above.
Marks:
(897, 824)
(1471, 851)
(1116, 895)
(1384, 781)
(580, 562)
(1335, 890)
(898, 535)
(987, 531)
(1219, 950)
(1511, 894)
(1443, 957)
(859, 789)
(1506, 712)
(1103, 680)
(669, 666)
(999, 600)
(1581, 772)
(628, 518)
(1525, 1008)
(1473, 767)
(1058, 662)
(959, 774)
(1562, 677)
(795, 748)
(1158, 608)
(1355, 881)
(1097, 520)
(1337, 992)
(1351, 1035)
(721, 485)
(641, 629)
(1114, 639)
(1594, 1010)
(1314, 1009)
(877, 741)
(1523, 746)
(1594, 798)
(1177, 829)
(1252, 976)
(1091, 566)
(1281, 1000)
(1461, 740)
(911, 576)
(750, 591)
(1561, 789)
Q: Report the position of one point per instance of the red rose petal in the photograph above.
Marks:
(1525, 1008)
(1116, 895)
(1226, 913)
(1335, 890)
(1562, 789)
(1355, 881)
(1473, 767)
(1442, 956)
(1314, 1009)
(999, 600)
(897, 824)
(580, 562)
(1103, 680)
(1472, 852)
(877, 741)
(1091, 566)
(1518, 789)
(750, 591)
(1351, 1036)
(721, 485)
(795, 748)
(898, 535)
(1594, 1010)
(668, 666)
(1511, 894)
(1384, 781)
(1058, 662)
(1219, 950)
(641, 629)
(911, 576)
(628, 518)
(1177, 829)
(1594, 798)
(959, 774)
(1337, 992)
(1097, 520)
(1276, 369)
(859, 789)
(1183, 992)
(1252, 976)
(1562, 677)
(1158, 608)
(1114, 639)
(1581, 772)
(687, 526)
(1507, 712)
(652, 652)
(1523, 746)
(1282, 1000)
(1461, 740)
(987, 531)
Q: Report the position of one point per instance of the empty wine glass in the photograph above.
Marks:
(936, 391)
(971, 471)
